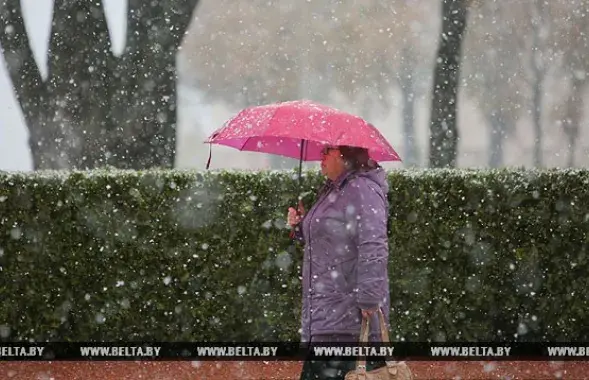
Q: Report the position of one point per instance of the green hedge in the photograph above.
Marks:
(178, 255)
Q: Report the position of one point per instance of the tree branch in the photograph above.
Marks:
(23, 70)
(152, 29)
(78, 29)
(169, 18)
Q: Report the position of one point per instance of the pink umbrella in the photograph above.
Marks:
(300, 129)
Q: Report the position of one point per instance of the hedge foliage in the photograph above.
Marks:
(187, 256)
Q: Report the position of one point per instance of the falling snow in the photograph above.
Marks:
(495, 256)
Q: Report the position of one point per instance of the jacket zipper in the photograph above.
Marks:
(316, 206)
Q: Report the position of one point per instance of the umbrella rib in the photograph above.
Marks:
(244, 143)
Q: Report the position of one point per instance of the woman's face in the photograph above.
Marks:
(332, 163)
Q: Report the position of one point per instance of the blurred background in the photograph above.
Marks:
(523, 80)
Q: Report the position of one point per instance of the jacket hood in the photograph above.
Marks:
(378, 176)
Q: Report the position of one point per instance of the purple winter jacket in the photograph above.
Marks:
(346, 257)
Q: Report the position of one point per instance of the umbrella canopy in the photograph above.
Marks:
(300, 129)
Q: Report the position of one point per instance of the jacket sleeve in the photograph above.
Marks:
(370, 210)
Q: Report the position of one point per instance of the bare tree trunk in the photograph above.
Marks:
(408, 111)
(443, 127)
(539, 69)
(80, 60)
(574, 111)
(406, 81)
(572, 150)
(537, 118)
(95, 109)
(496, 139)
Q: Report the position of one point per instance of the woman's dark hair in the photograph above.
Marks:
(357, 158)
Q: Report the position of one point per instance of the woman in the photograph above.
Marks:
(345, 272)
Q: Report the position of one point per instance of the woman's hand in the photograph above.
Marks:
(369, 312)
(295, 216)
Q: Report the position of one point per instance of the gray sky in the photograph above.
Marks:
(14, 150)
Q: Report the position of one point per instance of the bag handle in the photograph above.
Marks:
(364, 332)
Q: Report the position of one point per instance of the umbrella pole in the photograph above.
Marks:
(301, 165)
(299, 197)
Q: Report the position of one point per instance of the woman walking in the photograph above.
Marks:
(345, 275)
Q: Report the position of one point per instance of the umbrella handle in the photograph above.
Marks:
(293, 228)
(293, 232)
